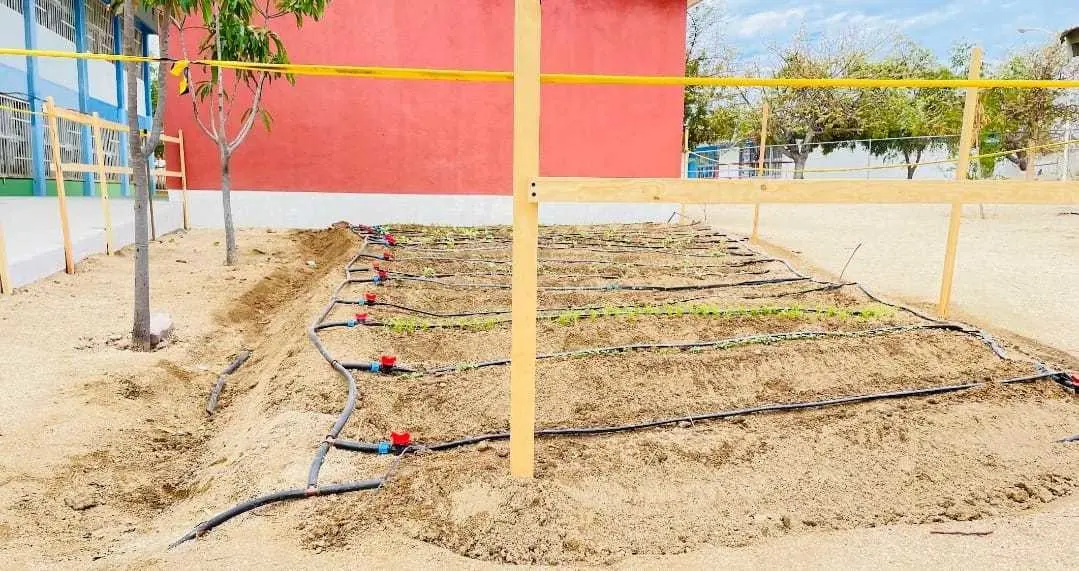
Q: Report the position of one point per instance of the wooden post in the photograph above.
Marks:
(183, 179)
(102, 182)
(765, 112)
(526, 139)
(1032, 162)
(5, 275)
(58, 173)
(685, 170)
(966, 139)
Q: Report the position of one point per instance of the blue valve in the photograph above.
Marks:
(383, 447)
(351, 322)
(376, 280)
(375, 367)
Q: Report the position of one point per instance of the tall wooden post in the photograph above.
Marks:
(685, 170)
(58, 173)
(765, 113)
(962, 168)
(526, 142)
(102, 182)
(183, 179)
(5, 275)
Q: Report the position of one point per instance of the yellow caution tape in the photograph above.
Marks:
(561, 78)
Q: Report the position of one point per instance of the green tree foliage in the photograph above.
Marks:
(1013, 119)
(803, 118)
(710, 114)
(239, 30)
(909, 122)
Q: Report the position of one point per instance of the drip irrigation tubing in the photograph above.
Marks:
(215, 394)
(561, 261)
(375, 236)
(615, 287)
(355, 446)
(687, 345)
(619, 311)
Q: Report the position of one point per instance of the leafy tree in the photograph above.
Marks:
(239, 30)
(140, 149)
(803, 118)
(1014, 119)
(710, 114)
(905, 123)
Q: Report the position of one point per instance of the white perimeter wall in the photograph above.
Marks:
(12, 35)
(317, 210)
(61, 71)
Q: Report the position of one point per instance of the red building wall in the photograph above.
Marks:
(390, 136)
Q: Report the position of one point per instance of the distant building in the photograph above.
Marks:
(88, 86)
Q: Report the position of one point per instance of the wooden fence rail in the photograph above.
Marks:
(100, 170)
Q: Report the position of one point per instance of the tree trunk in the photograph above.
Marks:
(799, 164)
(140, 328)
(226, 205)
(912, 165)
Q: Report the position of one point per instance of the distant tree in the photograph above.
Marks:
(700, 102)
(909, 122)
(239, 30)
(1014, 119)
(802, 118)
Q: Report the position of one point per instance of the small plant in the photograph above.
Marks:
(428, 272)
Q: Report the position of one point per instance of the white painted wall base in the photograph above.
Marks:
(35, 245)
(320, 209)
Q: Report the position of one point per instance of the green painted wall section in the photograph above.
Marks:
(25, 187)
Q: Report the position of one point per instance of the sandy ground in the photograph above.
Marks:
(107, 455)
(1017, 268)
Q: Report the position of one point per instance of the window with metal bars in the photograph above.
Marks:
(70, 144)
(16, 155)
(13, 4)
(57, 16)
(110, 149)
(99, 31)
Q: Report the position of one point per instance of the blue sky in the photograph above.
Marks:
(754, 25)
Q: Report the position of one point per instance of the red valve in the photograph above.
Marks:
(387, 255)
(383, 275)
(400, 438)
(391, 240)
(361, 317)
(370, 297)
(1075, 378)
(375, 265)
(387, 361)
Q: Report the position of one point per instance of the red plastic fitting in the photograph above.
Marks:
(391, 240)
(383, 275)
(370, 297)
(361, 317)
(400, 438)
(375, 265)
(387, 362)
(387, 255)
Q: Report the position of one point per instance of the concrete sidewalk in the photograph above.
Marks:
(1017, 269)
(35, 246)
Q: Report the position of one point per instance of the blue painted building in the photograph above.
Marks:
(88, 86)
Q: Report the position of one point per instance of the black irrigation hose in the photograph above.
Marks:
(568, 261)
(616, 287)
(215, 394)
(312, 489)
(1070, 439)
(766, 408)
(274, 497)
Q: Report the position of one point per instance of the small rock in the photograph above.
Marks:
(684, 424)
(785, 521)
(80, 502)
(483, 446)
(311, 264)
(441, 385)
(932, 401)
(258, 251)
(270, 230)
(503, 452)
(160, 328)
(181, 261)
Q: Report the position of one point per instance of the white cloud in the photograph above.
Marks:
(770, 21)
